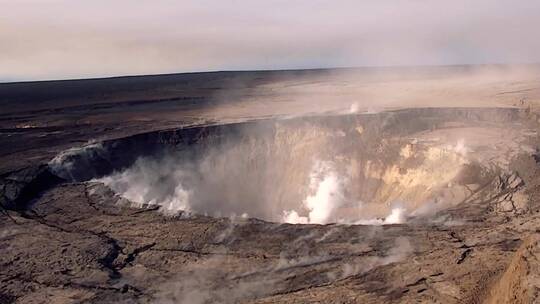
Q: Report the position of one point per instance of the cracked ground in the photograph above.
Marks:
(79, 242)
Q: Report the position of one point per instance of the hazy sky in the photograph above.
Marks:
(49, 39)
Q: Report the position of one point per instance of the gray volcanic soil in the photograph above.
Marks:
(76, 241)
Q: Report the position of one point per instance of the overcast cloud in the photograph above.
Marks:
(50, 39)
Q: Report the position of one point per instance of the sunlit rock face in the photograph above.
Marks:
(380, 168)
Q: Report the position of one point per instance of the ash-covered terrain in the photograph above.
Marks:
(412, 185)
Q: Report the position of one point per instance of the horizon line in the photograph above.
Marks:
(105, 77)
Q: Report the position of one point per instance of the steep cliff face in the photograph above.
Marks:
(368, 168)
(520, 281)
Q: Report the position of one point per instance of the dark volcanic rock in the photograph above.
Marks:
(18, 188)
(77, 245)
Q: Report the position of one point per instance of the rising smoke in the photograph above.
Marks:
(298, 171)
(327, 188)
(205, 187)
(294, 176)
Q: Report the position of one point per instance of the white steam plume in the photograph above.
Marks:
(328, 196)
(63, 164)
(397, 216)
